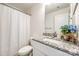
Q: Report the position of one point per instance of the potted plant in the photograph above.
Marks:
(69, 33)
(64, 31)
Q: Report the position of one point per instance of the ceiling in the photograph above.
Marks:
(55, 6)
(24, 7)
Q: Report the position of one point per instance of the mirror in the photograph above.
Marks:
(56, 15)
(60, 21)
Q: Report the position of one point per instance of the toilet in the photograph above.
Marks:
(25, 51)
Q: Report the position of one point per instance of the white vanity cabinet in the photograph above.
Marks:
(40, 49)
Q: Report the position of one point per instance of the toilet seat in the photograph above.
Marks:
(25, 50)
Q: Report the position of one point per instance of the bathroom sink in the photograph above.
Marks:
(52, 41)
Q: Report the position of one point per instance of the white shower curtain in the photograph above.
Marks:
(14, 30)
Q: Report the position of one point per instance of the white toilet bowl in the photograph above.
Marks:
(25, 51)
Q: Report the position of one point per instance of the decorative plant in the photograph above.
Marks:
(69, 33)
(64, 29)
(72, 28)
(68, 29)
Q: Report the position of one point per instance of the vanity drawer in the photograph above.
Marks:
(47, 50)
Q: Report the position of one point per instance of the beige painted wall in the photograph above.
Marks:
(37, 21)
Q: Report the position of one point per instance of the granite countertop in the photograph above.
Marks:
(60, 45)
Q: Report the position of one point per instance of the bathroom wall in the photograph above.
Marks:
(77, 16)
(72, 17)
(14, 30)
(49, 23)
(55, 19)
(37, 21)
(76, 19)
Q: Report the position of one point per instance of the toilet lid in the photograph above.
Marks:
(25, 50)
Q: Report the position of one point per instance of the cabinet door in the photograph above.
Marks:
(46, 50)
(37, 52)
(4, 29)
(14, 32)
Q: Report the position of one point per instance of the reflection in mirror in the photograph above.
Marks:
(56, 15)
(58, 21)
